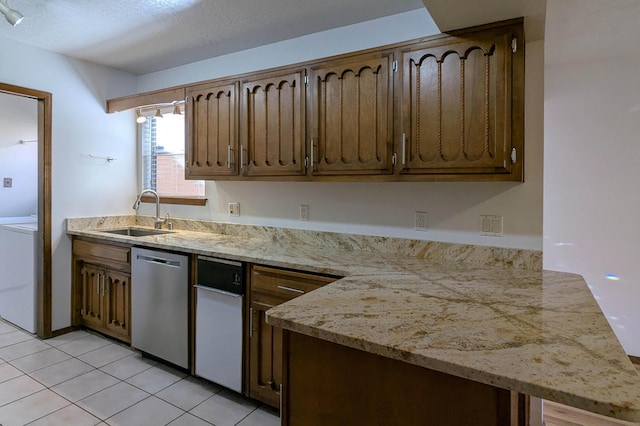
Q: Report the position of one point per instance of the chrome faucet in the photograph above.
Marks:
(158, 222)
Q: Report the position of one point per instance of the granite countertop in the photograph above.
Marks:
(536, 332)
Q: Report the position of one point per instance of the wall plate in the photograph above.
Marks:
(234, 209)
(491, 225)
(421, 221)
(304, 212)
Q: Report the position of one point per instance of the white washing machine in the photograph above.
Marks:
(18, 243)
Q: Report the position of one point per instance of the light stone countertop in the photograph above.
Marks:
(536, 332)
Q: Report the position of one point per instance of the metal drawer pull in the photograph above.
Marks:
(295, 290)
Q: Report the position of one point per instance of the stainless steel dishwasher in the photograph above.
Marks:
(219, 301)
(160, 304)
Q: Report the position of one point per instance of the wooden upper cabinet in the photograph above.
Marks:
(461, 105)
(212, 131)
(273, 124)
(351, 115)
(445, 107)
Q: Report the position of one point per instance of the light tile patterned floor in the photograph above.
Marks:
(84, 379)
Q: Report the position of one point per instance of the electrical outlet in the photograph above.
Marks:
(304, 212)
(421, 221)
(7, 182)
(491, 225)
(234, 209)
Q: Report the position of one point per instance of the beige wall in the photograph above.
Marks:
(375, 208)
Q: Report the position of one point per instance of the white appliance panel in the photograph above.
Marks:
(18, 244)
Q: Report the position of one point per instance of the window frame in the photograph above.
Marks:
(187, 200)
(174, 199)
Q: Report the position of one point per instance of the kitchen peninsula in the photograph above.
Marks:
(485, 315)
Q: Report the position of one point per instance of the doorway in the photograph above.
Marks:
(43, 247)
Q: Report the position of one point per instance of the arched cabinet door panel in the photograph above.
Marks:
(273, 124)
(461, 104)
(351, 115)
(212, 131)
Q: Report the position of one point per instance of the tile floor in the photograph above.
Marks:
(84, 379)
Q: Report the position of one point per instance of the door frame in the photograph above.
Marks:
(43, 259)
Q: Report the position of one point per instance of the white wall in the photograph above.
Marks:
(591, 162)
(374, 208)
(81, 186)
(18, 121)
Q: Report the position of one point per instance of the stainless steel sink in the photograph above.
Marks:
(135, 232)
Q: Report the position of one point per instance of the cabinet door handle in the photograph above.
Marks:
(311, 155)
(228, 156)
(280, 400)
(295, 290)
(250, 323)
(404, 148)
(242, 156)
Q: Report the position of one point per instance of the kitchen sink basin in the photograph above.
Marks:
(135, 232)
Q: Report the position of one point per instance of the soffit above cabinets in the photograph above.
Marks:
(449, 15)
(589, 30)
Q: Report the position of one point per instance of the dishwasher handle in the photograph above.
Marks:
(159, 260)
(216, 290)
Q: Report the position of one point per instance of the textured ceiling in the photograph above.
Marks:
(143, 36)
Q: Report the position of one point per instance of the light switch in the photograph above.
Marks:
(491, 225)
(234, 209)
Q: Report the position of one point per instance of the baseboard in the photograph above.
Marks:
(65, 330)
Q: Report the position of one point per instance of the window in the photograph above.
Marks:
(162, 155)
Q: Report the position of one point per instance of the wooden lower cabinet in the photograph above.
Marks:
(270, 287)
(117, 307)
(92, 300)
(265, 366)
(102, 288)
(329, 384)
